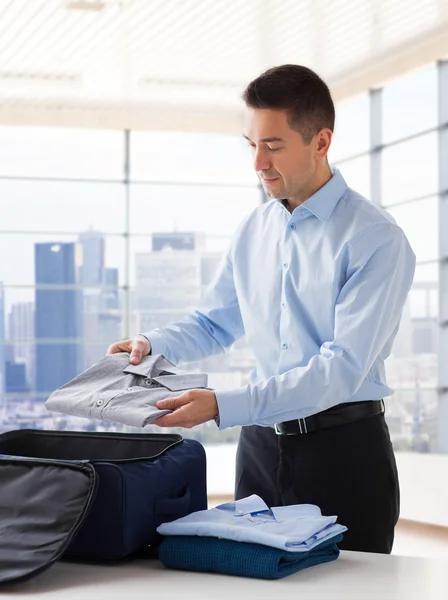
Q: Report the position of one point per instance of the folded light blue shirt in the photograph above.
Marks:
(318, 293)
(295, 528)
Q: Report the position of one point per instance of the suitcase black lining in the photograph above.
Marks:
(91, 446)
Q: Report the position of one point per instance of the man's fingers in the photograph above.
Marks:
(139, 348)
(136, 356)
(171, 420)
(175, 419)
(123, 346)
(173, 403)
(191, 408)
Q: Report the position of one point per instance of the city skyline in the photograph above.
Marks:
(71, 278)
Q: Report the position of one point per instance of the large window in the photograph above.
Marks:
(124, 231)
(410, 104)
(105, 234)
(352, 128)
(190, 157)
(410, 191)
(61, 153)
(356, 172)
(419, 219)
(402, 162)
(410, 169)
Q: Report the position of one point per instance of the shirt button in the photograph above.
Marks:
(285, 265)
(292, 226)
(100, 402)
(130, 390)
(283, 305)
(284, 345)
(240, 512)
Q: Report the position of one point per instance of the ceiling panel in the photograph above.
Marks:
(131, 62)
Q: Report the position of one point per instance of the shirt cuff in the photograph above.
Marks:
(233, 407)
(158, 345)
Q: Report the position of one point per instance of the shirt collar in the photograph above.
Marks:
(322, 203)
(255, 504)
(245, 506)
(152, 366)
(296, 511)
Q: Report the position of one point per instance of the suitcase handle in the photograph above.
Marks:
(173, 507)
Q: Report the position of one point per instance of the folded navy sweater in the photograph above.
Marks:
(210, 554)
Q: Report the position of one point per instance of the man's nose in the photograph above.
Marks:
(262, 161)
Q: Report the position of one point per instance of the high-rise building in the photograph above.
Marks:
(178, 240)
(15, 377)
(21, 334)
(56, 315)
(181, 241)
(101, 320)
(170, 280)
(110, 314)
(110, 294)
(92, 244)
(91, 273)
(168, 286)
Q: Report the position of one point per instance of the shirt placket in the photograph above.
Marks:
(286, 343)
(101, 401)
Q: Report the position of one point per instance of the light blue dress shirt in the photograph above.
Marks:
(296, 528)
(319, 295)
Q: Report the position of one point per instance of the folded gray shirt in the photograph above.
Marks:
(115, 390)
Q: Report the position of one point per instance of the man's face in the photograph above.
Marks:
(283, 162)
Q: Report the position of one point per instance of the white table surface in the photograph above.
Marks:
(354, 575)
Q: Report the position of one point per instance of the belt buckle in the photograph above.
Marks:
(302, 426)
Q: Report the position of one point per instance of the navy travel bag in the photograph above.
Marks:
(91, 496)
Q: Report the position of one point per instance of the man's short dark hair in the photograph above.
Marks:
(297, 90)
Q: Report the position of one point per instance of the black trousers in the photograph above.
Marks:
(348, 471)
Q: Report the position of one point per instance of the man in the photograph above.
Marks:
(316, 279)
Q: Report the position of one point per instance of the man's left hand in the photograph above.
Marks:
(192, 408)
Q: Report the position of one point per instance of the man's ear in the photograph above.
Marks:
(322, 142)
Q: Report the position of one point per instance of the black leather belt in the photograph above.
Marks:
(332, 417)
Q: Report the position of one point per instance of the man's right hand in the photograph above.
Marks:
(138, 347)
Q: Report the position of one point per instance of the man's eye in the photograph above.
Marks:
(273, 149)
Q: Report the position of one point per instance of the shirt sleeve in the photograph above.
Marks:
(214, 326)
(380, 269)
